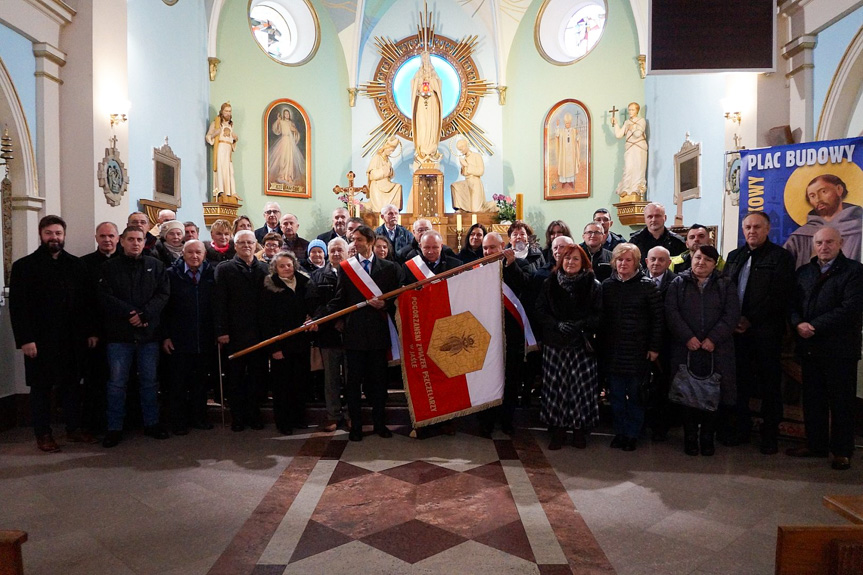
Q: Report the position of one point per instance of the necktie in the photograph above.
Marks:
(743, 279)
(366, 265)
(194, 276)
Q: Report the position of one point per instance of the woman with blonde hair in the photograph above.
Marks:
(221, 247)
(632, 324)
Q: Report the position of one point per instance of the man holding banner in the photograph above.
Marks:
(430, 261)
(368, 332)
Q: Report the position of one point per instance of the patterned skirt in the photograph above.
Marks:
(570, 388)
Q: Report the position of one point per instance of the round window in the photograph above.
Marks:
(450, 84)
(286, 30)
(567, 30)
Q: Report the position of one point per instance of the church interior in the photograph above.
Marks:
(105, 109)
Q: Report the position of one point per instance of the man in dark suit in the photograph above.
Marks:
(366, 332)
(431, 257)
(764, 273)
(660, 412)
(600, 258)
(656, 234)
(420, 227)
(828, 317)
(273, 213)
(603, 218)
(293, 242)
(398, 235)
(340, 226)
(50, 301)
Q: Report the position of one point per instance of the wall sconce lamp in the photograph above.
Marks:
(117, 119)
(734, 117)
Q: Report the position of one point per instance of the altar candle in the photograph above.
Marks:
(458, 222)
(519, 206)
(473, 219)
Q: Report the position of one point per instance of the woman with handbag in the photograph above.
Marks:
(569, 307)
(702, 310)
(632, 324)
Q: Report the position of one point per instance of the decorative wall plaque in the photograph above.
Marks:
(112, 174)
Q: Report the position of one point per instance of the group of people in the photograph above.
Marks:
(635, 318)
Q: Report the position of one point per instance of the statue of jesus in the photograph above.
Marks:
(426, 116)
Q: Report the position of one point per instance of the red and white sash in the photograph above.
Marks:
(516, 310)
(419, 268)
(370, 290)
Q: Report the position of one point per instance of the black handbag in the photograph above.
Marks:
(695, 391)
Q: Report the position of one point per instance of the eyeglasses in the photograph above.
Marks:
(268, 212)
(245, 243)
(594, 233)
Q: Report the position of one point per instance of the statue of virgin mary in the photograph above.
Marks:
(426, 90)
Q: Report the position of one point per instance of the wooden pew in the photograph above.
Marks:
(819, 550)
(11, 562)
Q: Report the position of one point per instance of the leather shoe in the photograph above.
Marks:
(630, 444)
(618, 442)
(355, 435)
(156, 432)
(80, 437)
(47, 444)
(112, 439)
(803, 451)
(205, 425)
(841, 463)
(384, 432)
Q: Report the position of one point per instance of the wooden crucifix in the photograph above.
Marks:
(350, 191)
(613, 113)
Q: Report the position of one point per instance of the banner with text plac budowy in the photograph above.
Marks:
(452, 345)
(804, 187)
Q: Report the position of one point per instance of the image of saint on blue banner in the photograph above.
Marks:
(804, 187)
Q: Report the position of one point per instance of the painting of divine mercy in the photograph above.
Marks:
(287, 150)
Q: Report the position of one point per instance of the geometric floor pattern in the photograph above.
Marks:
(401, 505)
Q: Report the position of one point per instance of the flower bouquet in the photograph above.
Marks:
(505, 207)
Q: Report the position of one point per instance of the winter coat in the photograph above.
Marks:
(709, 314)
(632, 324)
(236, 301)
(645, 241)
(319, 291)
(583, 306)
(215, 257)
(188, 318)
(283, 309)
(833, 304)
(769, 289)
(133, 284)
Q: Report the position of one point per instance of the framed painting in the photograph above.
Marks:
(166, 176)
(287, 150)
(567, 145)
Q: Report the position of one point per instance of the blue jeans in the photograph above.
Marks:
(120, 356)
(628, 411)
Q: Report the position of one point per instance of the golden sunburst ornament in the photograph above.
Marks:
(456, 53)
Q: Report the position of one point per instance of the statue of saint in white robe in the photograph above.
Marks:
(426, 116)
(469, 194)
(382, 190)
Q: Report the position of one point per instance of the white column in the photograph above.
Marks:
(801, 76)
(49, 60)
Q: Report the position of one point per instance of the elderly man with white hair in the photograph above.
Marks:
(236, 300)
(187, 338)
(273, 215)
(398, 235)
(420, 227)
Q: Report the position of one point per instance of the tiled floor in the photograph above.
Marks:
(222, 502)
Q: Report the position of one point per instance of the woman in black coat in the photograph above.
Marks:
(283, 308)
(632, 324)
(472, 246)
(702, 310)
(569, 307)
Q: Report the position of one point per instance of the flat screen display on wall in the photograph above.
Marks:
(712, 36)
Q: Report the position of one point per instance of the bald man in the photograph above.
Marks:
(827, 316)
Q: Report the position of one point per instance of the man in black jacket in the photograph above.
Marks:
(96, 361)
(49, 300)
(273, 214)
(594, 246)
(340, 226)
(656, 234)
(764, 273)
(366, 333)
(431, 256)
(828, 318)
(187, 338)
(236, 303)
(420, 227)
(603, 218)
(134, 288)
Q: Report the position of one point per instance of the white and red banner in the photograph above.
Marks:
(370, 290)
(452, 344)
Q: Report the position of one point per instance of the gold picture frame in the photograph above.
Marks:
(574, 141)
(287, 150)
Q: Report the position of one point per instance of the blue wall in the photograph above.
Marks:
(832, 42)
(168, 93)
(677, 104)
(16, 51)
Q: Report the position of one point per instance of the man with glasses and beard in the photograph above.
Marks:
(49, 302)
